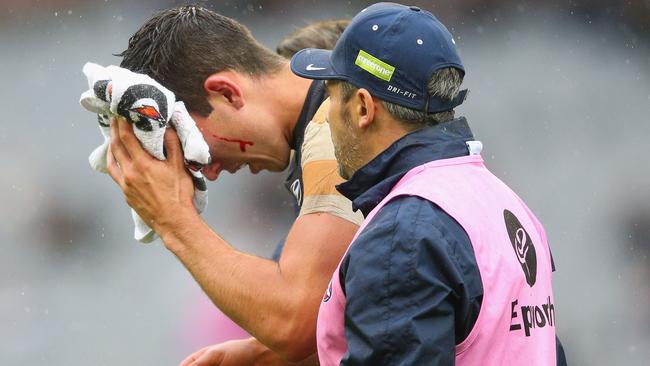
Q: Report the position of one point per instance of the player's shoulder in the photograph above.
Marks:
(320, 174)
(320, 116)
(317, 144)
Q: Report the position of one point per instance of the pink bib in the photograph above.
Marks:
(516, 322)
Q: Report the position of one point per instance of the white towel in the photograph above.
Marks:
(149, 106)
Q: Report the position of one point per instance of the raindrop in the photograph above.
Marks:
(631, 348)
(420, 41)
(56, 13)
(375, 27)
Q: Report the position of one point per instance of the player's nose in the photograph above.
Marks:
(211, 171)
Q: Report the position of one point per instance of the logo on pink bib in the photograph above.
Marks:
(523, 246)
(328, 293)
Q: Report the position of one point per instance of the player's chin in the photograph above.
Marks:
(211, 178)
(253, 169)
(211, 175)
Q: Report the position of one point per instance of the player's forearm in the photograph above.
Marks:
(250, 290)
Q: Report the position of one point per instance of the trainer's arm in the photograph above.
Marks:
(406, 295)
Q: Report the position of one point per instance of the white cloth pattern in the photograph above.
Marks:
(149, 107)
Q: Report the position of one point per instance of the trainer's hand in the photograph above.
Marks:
(244, 352)
(158, 190)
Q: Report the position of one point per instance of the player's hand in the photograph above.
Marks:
(245, 352)
(158, 190)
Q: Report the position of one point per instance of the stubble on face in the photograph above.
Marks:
(347, 148)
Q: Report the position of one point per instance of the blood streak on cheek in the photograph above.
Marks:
(242, 143)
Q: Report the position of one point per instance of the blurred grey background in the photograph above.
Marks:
(560, 97)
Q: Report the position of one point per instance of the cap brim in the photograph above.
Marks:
(312, 63)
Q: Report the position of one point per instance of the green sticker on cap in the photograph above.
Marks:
(374, 65)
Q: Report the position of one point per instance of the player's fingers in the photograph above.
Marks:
(193, 357)
(210, 358)
(173, 146)
(129, 141)
(117, 147)
(113, 169)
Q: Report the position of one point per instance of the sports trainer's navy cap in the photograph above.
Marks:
(392, 50)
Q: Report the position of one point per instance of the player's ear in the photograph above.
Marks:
(224, 85)
(365, 106)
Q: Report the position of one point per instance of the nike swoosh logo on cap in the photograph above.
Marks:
(311, 67)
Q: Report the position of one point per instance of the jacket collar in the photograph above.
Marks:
(372, 183)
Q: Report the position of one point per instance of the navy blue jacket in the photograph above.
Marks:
(412, 284)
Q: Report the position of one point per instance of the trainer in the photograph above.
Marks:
(449, 266)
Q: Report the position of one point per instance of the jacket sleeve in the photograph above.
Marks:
(406, 288)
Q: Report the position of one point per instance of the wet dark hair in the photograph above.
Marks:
(323, 35)
(180, 47)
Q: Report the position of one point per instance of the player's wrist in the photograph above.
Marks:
(176, 225)
(264, 355)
